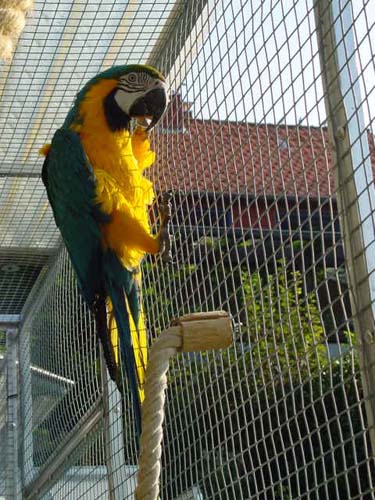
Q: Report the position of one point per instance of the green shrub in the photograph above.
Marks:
(272, 417)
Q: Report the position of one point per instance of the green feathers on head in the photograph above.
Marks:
(115, 72)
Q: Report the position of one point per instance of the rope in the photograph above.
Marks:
(195, 332)
(153, 414)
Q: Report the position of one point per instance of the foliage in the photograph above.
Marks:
(161, 302)
(273, 414)
(243, 437)
(284, 329)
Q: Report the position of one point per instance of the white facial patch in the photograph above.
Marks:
(126, 99)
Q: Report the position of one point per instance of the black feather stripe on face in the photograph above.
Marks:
(116, 118)
(130, 90)
(135, 80)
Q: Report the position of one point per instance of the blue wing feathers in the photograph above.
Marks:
(71, 191)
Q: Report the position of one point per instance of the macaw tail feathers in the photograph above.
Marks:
(138, 331)
(139, 342)
(121, 329)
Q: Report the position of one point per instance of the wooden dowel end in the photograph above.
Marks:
(204, 331)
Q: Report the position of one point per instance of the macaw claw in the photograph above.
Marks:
(165, 237)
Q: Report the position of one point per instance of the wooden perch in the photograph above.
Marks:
(204, 331)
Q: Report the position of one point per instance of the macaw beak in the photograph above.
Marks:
(150, 106)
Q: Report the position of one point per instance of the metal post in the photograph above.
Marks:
(113, 435)
(12, 473)
(353, 177)
(26, 408)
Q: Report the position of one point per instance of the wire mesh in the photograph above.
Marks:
(59, 367)
(62, 388)
(64, 43)
(85, 474)
(245, 151)
(281, 415)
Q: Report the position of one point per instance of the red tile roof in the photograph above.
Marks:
(243, 157)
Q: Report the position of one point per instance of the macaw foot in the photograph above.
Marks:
(165, 237)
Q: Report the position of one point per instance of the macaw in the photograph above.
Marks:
(93, 174)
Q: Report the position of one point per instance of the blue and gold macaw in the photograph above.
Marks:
(93, 173)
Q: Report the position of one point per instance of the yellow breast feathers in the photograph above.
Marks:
(118, 160)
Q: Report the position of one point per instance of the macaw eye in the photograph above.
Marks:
(132, 78)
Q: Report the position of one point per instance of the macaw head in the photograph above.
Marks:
(126, 92)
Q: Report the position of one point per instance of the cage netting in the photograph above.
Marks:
(245, 149)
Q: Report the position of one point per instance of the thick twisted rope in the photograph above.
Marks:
(196, 332)
(12, 22)
(153, 414)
